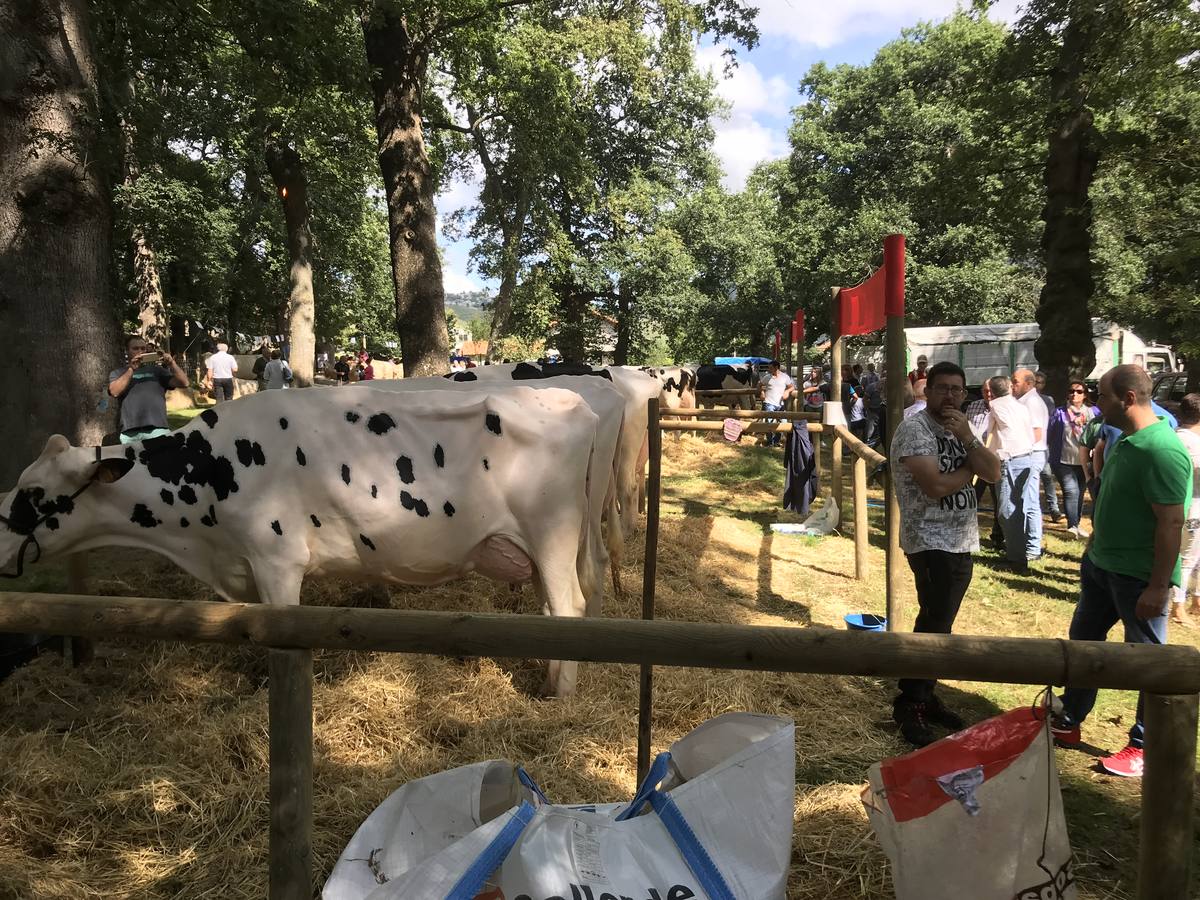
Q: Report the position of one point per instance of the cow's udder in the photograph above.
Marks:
(500, 558)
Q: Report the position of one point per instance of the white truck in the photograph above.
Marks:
(987, 350)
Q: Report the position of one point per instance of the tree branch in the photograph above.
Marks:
(452, 24)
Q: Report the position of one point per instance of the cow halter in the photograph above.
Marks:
(31, 538)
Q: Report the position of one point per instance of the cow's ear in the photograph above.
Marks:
(110, 470)
(55, 445)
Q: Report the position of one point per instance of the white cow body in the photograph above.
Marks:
(608, 405)
(362, 484)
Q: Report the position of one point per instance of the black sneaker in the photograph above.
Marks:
(913, 719)
(940, 715)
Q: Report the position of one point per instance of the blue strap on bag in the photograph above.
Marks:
(693, 852)
(493, 855)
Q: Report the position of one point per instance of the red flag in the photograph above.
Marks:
(860, 308)
(798, 327)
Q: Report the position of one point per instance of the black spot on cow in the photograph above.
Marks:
(174, 458)
(448, 508)
(183, 522)
(486, 466)
(52, 523)
(209, 417)
(316, 522)
(187, 494)
(367, 541)
(421, 508)
(23, 514)
(352, 417)
(406, 500)
(300, 457)
(404, 469)
(374, 492)
(60, 504)
(211, 519)
(250, 453)
(462, 376)
(409, 502)
(345, 473)
(167, 497)
(493, 423)
(283, 424)
(275, 527)
(130, 454)
(439, 456)
(142, 516)
(381, 423)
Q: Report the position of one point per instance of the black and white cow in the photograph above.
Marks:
(605, 539)
(678, 386)
(360, 484)
(726, 378)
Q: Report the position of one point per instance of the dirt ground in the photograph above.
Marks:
(144, 774)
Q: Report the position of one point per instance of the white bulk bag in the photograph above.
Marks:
(712, 821)
(977, 814)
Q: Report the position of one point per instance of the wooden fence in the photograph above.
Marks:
(1169, 674)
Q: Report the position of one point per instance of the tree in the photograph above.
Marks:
(55, 221)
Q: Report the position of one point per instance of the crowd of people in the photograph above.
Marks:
(1141, 468)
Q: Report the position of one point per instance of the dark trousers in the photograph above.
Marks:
(942, 582)
(222, 389)
(1071, 479)
(1106, 598)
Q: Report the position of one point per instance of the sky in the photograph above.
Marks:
(793, 34)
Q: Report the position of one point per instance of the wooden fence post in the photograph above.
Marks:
(835, 396)
(78, 650)
(291, 760)
(861, 543)
(1168, 785)
(896, 349)
(649, 572)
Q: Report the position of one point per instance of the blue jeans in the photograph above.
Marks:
(1106, 598)
(773, 440)
(1048, 486)
(1018, 481)
(1071, 479)
(1033, 505)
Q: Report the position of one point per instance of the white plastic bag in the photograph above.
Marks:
(977, 814)
(712, 821)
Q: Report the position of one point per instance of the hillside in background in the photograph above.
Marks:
(468, 305)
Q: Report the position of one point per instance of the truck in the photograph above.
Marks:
(987, 350)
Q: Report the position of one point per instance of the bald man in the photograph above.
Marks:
(1132, 559)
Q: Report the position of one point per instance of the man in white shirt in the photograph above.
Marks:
(218, 378)
(1024, 388)
(775, 389)
(1011, 435)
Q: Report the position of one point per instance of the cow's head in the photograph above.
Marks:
(40, 514)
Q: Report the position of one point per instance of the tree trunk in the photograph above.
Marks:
(510, 264)
(1065, 348)
(398, 67)
(55, 223)
(287, 170)
(152, 310)
(624, 303)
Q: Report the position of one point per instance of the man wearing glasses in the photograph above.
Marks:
(936, 458)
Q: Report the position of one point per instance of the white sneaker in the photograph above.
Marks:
(1083, 535)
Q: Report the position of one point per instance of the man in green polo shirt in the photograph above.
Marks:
(1133, 557)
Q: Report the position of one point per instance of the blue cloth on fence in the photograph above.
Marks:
(800, 476)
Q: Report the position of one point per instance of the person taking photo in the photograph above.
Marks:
(140, 387)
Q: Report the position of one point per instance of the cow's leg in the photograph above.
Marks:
(557, 583)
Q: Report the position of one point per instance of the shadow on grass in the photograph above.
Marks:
(768, 600)
(1034, 585)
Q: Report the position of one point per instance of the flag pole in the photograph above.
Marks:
(893, 263)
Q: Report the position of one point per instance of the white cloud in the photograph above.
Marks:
(822, 23)
(742, 140)
(456, 283)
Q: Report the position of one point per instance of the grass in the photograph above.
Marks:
(144, 775)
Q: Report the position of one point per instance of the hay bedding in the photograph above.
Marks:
(144, 775)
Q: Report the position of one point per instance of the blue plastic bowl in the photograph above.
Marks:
(865, 622)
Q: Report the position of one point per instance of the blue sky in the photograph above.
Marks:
(763, 88)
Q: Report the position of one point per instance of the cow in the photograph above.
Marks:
(362, 484)
(605, 537)
(727, 378)
(678, 386)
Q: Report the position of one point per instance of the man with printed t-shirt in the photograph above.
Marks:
(937, 457)
(1133, 557)
(141, 387)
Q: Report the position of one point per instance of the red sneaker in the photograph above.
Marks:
(1064, 733)
(1128, 763)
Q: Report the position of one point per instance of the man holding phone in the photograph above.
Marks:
(141, 387)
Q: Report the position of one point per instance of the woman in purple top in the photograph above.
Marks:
(1062, 440)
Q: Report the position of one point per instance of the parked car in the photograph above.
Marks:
(1169, 388)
